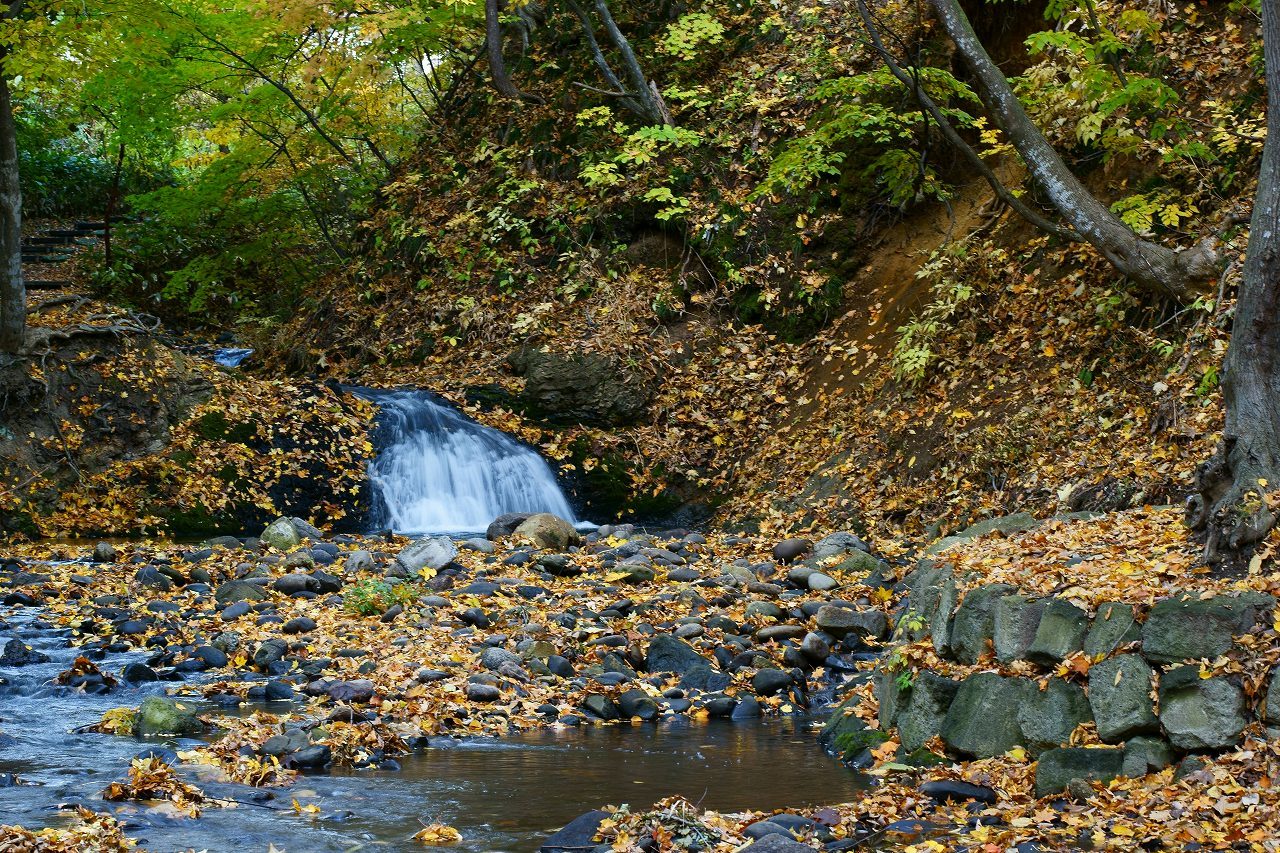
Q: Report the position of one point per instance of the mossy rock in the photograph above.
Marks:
(852, 744)
(159, 715)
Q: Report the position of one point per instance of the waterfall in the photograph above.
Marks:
(437, 471)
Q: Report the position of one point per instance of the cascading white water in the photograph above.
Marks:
(439, 472)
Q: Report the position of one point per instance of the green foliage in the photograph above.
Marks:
(371, 597)
(872, 127)
(1160, 210)
(688, 36)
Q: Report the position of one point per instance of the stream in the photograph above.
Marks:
(503, 795)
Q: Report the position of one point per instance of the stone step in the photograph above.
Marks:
(89, 227)
(46, 284)
(65, 233)
(48, 241)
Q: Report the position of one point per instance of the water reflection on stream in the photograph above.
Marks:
(503, 795)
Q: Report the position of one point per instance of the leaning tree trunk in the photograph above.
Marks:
(1180, 274)
(13, 294)
(1230, 505)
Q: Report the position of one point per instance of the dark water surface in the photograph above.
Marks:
(502, 795)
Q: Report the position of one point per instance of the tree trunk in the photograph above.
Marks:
(497, 65)
(1180, 274)
(13, 294)
(113, 198)
(1229, 507)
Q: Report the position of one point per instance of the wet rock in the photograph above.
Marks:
(18, 653)
(325, 583)
(1058, 768)
(1060, 632)
(955, 791)
(767, 682)
(576, 836)
(268, 652)
(748, 708)
(1048, 717)
(1199, 714)
(1014, 626)
(1113, 627)
(1187, 628)
(779, 633)
(137, 673)
(815, 647)
(983, 718)
(292, 584)
(504, 525)
(482, 546)
(152, 578)
(703, 677)
(213, 657)
(104, 552)
(842, 722)
(776, 843)
(359, 690)
(434, 553)
(159, 715)
(601, 706)
(560, 666)
(235, 611)
(278, 691)
(789, 550)
(668, 654)
(1120, 697)
(547, 531)
(819, 582)
(974, 622)
(312, 757)
(925, 710)
(637, 703)
(844, 621)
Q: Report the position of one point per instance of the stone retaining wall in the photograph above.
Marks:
(1135, 673)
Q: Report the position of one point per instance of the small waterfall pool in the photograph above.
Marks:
(438, 471)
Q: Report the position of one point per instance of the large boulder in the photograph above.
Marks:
(669, 654)
(921, 719)
(1049, 716)
(1271, 707)
(1014, 626)
(238, 590)
(159, 715)
(926, 585)
(1201, 714)
(1005, 525)
(842, 722)
(1058, 768)
(504, 525)
(974, 623)
(1189, 628)
(1060, 632)
(1120, 696)
(1113, 627)
(576, 836)
(580, 388)
(434, 553)
(983, 719)
(282, 534)
(838, 543)
(547, 531)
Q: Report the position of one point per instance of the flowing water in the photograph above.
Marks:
(502, 795)
(437, 471)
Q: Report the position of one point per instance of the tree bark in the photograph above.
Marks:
(1229, 506)
(1184, 275)
(497, 65)
(13, 294)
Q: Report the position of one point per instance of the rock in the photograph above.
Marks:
(482, 546)
(104, 552)
(667, 654)
(1060, 633)
(974, 622)
(1200, 714)
(547, 531)
(1005, 525)
(324, 583)
(504, 525)
(311, 757)
(299, 625)
(494, 657)
(434, 553)
(1014, 626)
(293, 583)
(152, 578)
(1058, 768)
(1120, 697)
(842, 722)
(278, 691)
(891, 695)
(767, 682)
(137, 673)
(282, 534)
(240, 590)
(838, 543)
(815, 647)
(1145, 754)
(1048, 717)
(941, 619)
(358, 561)
(779, 633)
(601, 706)
(926, 584)
(703, 677)
(234, 611)
(1271, 707)
(18, 653)
(483, 693)
(774, 843)
(955, 791)
(1184, 628)
(576, 836)
(268, 652)
(1113, 627)
(983, 718)
(861, 566)
(818, 582)
(159, 715)
(637, 703)
(843, 621)
(926, 708)
(789, 550)
(580, 388)
(767, 609)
